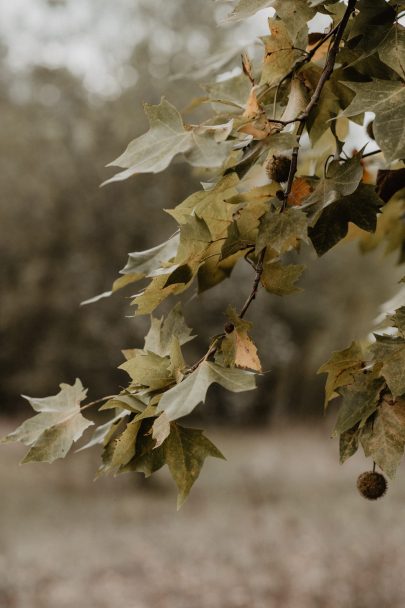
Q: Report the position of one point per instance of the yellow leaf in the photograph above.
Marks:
(246, 352)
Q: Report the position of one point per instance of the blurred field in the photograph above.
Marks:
(278, 525)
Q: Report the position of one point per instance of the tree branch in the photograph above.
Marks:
(326, 73)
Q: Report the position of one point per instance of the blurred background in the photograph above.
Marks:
(280, 524)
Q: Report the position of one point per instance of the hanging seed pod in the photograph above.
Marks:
(372, 485)
(278, 168)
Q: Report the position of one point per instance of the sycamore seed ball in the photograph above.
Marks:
(372, 485)
(278, 168)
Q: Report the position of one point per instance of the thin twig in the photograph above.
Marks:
(255, 287)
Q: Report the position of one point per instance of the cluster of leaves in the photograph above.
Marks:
(292, 100)
(370, 379)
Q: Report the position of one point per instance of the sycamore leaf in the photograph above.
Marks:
(348, 443)
(295, 14)
(360, 401)
(209, 148)
(209, 206)
(154, 151)
(361, 208)
(59, 423)
(340, 369)
(385, 441)
(177, 362)
(159, 338)
(279, 279)
(237, 348)
(282, 231)
(148, 369)
(392, 49)
(148, 458)
(280, 54)
(300, 190)
(185, 451)
(342, 179)
(104, 432)
(142, 263)
(139, 265)
(160, 429)
(155, 293)
(185, 396)
(121, 449)
(387, 99)
(376, 19)
(391, 352)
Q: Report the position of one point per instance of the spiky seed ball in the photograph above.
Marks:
(278, 168)
(372, 485)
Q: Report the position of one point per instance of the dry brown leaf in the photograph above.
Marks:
(299, 191)
(247, 67)
(246, 352)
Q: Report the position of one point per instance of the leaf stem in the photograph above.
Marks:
(96, 402)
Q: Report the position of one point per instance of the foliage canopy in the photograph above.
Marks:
(262, 199)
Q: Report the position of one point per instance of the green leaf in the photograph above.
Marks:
(185, 396)
(121, 449)
(342, 179)
(391, 352)
(375, 18)
(104, 432)
(295, 14)
(154, 151)
(280, 279)
(142, 263)
(348, 443)
(280, 54)
(148, 369)
(209, 148)
(185, 451)
(203, 145)
(160, 429)
(360, 208)
(159, 338)
(155, 293)
(387, 99)
(360, 401)
(209, 205)
(341, 368)
(282, 231)
(392, 49)
(148, 458)
(59, 423)
(386, 441)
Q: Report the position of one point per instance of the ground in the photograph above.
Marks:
(280, 524)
